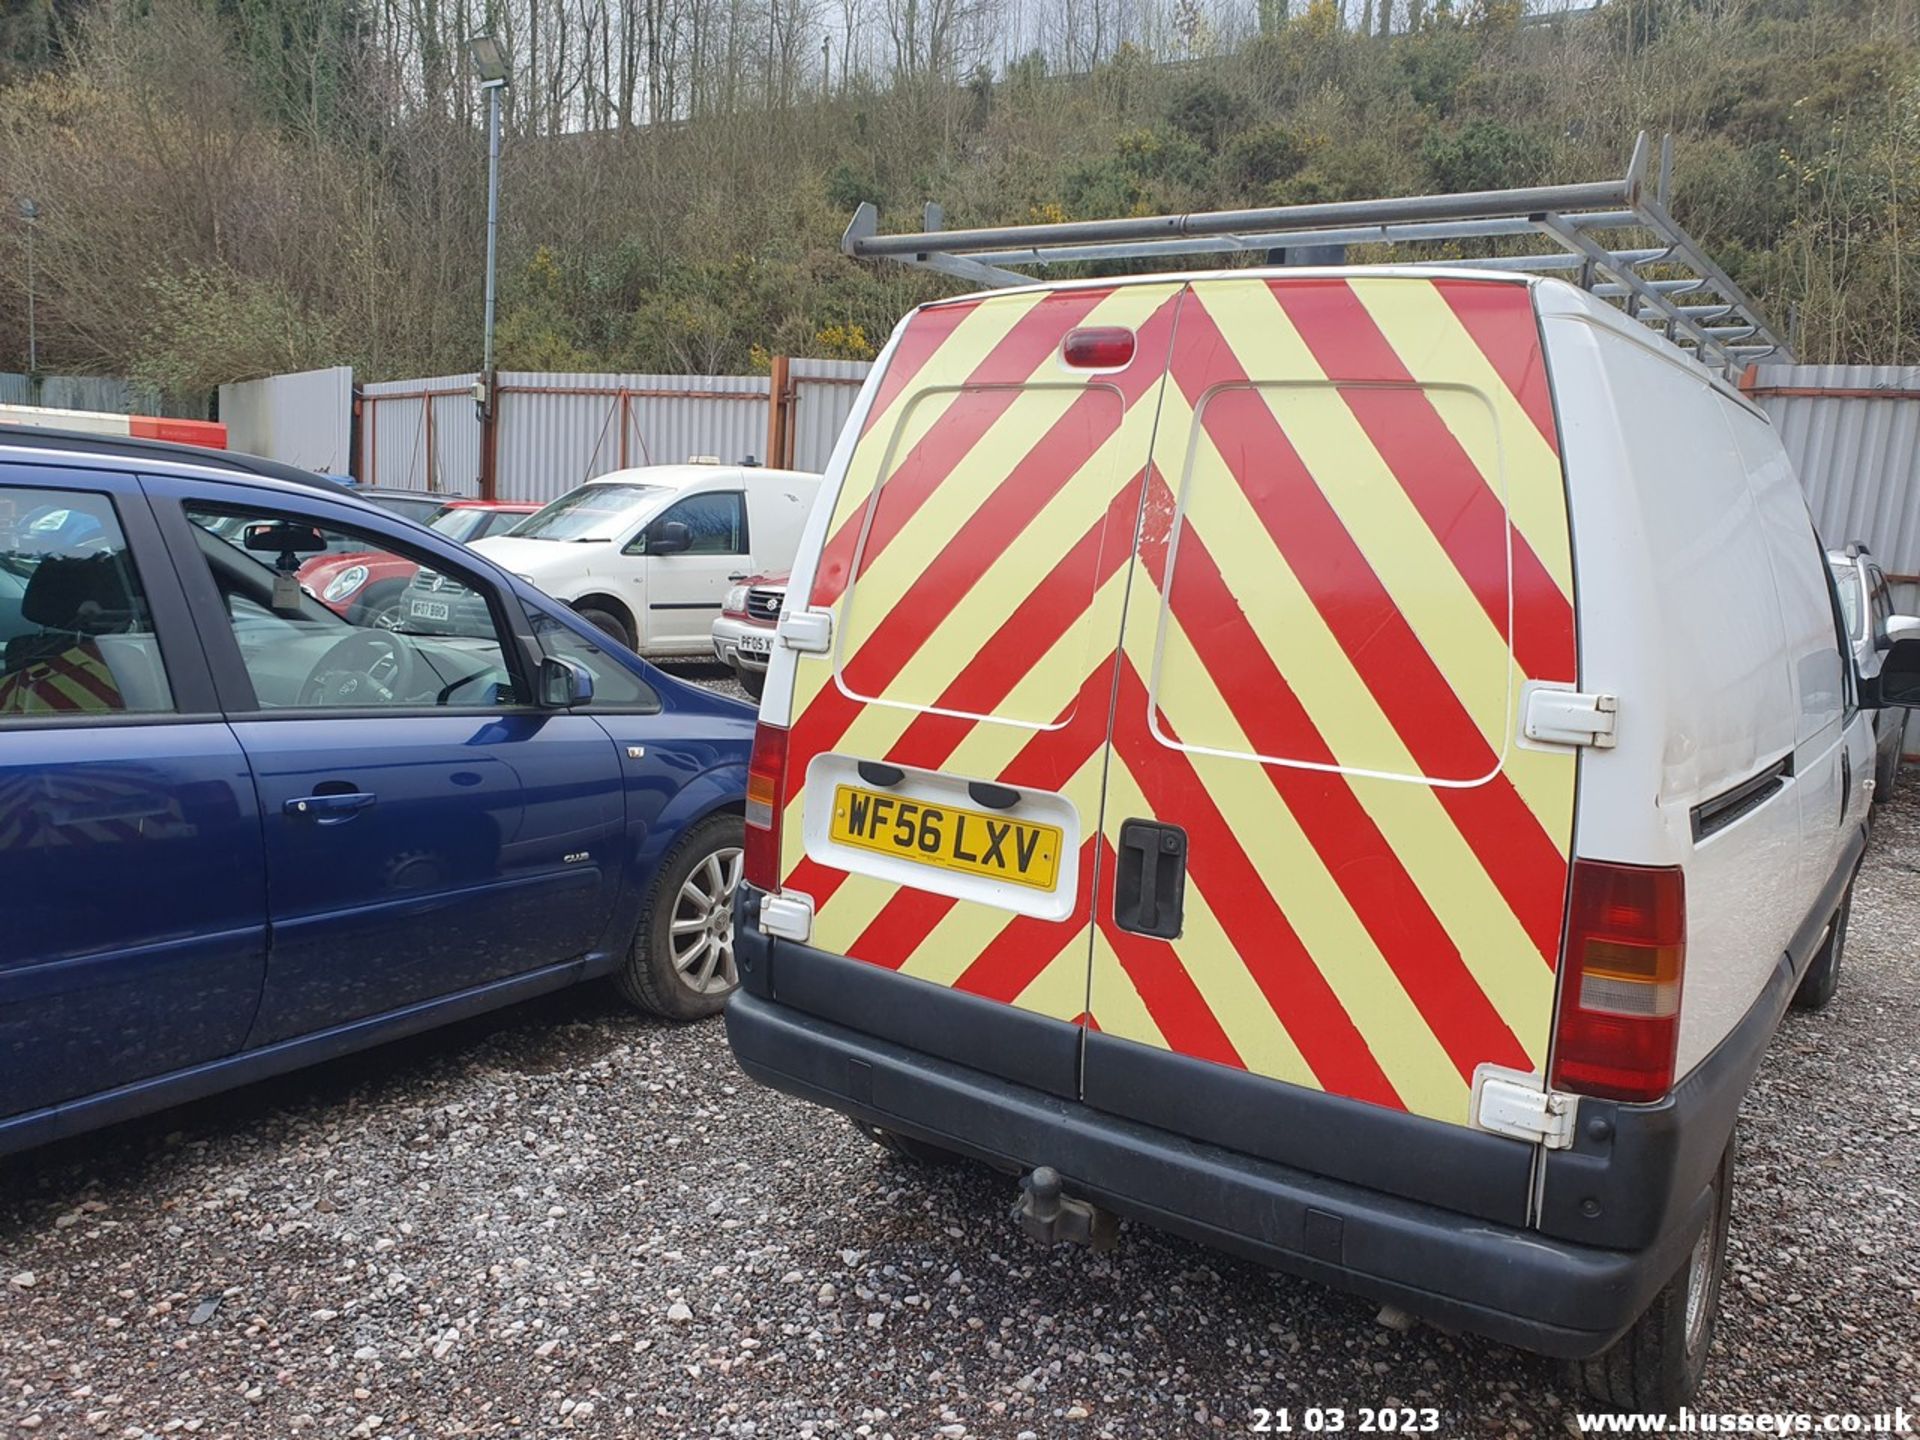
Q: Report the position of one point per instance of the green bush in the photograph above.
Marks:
(1481, 155)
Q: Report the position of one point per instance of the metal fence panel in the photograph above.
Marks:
(304, 419)
(824, 392)
(1854, 434)
(105, 394)
(421, 435)
(560, 428)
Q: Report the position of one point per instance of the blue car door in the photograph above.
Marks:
(428, 830)
(132, 888)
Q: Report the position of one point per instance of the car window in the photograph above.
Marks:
(593, 512)
(716, 523)
(1841, 581)
(1879, 603)
(76, 636)
(615, 686)
(332, 629)
(411, 507)
(1846, 583)
(461, 522)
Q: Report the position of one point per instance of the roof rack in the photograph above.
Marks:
(1691, 298)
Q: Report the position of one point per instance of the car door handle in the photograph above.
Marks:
(328, 809)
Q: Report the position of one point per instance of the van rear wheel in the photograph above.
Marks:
(1823, 975)
(1656, 1366)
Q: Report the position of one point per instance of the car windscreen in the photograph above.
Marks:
(1846, 579)
(593, 512)
(461, 522)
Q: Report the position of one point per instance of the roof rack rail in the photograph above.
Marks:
(1725, 329)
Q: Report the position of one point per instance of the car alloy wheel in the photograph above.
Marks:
(700, 934)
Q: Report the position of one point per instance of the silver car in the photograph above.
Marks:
(1866, 603)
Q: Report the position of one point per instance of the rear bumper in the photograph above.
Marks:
(727, 648)
(1512, 1285)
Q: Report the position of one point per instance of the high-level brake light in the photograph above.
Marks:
(1098, 347)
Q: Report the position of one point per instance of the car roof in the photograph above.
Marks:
(684, 477)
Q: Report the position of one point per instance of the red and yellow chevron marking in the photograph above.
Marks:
(1332, 548)
(77, 680)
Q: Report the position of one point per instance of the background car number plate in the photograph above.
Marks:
(430, 609)
(947, 836)
(756, 644)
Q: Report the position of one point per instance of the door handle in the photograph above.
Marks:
(1150, 883)
(737, 578)
(328, 809)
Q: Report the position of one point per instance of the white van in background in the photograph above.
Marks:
(648, 554)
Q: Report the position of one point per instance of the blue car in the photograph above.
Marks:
(240, 833)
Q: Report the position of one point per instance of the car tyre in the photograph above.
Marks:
(754, 682)
(681, 964)
(1823, 975)
(383, 607)
(605, 620)
(906, 1147)
(1889, 775)
(1656, 1366)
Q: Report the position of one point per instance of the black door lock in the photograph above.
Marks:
(1150, 887)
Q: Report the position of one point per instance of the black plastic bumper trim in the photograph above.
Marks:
(1416, 1158)
(1509, 1284)
(1002, 1040)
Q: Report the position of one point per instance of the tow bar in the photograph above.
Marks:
(1051, 1217)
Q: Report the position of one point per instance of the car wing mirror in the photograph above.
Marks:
(1898, 682)
(564, 683)
(669, 537)
(1900, 627)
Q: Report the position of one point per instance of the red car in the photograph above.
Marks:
(366, 586)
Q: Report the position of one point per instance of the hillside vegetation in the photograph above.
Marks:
(231, 188)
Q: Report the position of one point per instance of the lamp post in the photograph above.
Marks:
(490, 64)
(30, 213)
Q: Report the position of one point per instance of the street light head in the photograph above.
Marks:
(489, 59)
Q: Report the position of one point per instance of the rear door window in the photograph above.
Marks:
(1337, 540)
(76, 635)
(955, 546)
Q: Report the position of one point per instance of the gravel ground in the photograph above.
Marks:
(567, 1218)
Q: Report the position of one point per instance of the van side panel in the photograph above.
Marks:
(1353, 561)
(974, 564)
(1681, 617)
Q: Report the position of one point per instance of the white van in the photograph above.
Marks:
(649, 554)
(1350, 765)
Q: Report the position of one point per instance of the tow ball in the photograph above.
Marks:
(1052, 1217)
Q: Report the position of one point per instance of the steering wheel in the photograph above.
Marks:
(369, 667)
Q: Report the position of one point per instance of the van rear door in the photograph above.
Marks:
(944, 762)
(1354, 558)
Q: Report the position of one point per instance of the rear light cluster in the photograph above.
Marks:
(766, 776)
(1626, 950)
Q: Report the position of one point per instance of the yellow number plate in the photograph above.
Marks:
(948, 837)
